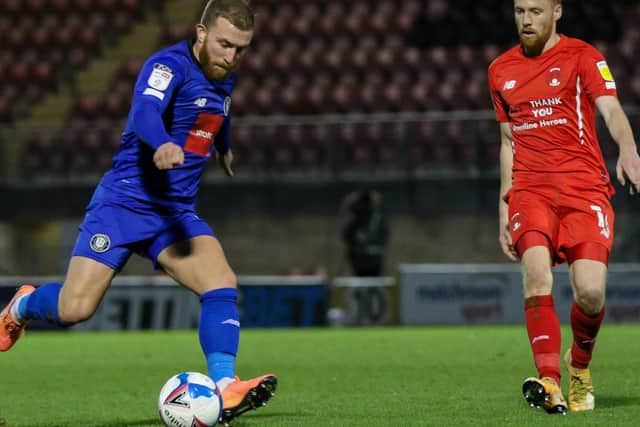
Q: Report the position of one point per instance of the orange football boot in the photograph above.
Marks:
(546, 393)
(242, 396)
(10, 329)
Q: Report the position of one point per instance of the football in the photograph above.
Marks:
(190, 399)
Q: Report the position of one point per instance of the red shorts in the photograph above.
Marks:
(571, 227)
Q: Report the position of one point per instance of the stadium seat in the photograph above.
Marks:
(318, 57)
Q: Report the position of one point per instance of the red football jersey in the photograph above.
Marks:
(549, 101)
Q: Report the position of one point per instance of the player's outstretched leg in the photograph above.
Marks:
(581, 397)
(242, 396)
(545, 393)
(11, 329)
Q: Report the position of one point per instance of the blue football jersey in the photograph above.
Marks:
(194, 113)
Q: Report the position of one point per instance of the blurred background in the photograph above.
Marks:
(336, 102)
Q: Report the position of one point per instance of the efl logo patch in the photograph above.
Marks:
(605, 72)
(160, 77)
(227, 105)
(100, 243)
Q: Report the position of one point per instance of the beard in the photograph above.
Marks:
(533, 45)
(211, 69)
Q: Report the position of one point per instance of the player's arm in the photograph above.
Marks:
(159, 78)
(620, 130)
(223, 146)
(506, 170)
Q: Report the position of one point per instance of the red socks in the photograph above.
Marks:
(585, 329)
(544, 334)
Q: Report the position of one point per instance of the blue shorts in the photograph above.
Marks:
(113, 230)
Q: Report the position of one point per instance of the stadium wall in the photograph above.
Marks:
(298, 244)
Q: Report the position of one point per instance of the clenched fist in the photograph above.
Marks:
(168, 156)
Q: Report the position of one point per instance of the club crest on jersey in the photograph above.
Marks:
(100, 243)
(554, 76)
(227, 105)
(160, 77)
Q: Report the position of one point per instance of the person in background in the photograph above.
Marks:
(365, 233)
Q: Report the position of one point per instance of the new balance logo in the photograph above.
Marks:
(233, 322)
(200, 102)
(509, 84)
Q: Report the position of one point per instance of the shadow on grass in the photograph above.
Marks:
(256, 417)
(131, 423)
(156, 421)
(616, 401)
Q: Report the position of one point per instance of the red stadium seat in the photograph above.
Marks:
(86, 108)
(342, 99)
(115, 106)
(19, 74)
(16, 39)
(78, 58)
(5, 111)
(316, 100)
(42, 74)
(97, 21)
(60, 7)
(175, 33)
(34, 7)
(121, 21)
(11, 7)
(87, 38)
(83, 6)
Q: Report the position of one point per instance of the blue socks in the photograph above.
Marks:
(42, 304)
(219, 331)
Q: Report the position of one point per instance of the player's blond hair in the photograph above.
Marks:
(237, 12)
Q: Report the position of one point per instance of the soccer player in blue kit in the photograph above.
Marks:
(146, 202)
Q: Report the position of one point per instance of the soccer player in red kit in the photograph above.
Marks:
(555, 189)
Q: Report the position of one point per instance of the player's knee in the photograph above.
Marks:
(75, 312)
(537, 281)
(228, 280)
(590, 299)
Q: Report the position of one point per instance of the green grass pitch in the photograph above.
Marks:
(431, 376)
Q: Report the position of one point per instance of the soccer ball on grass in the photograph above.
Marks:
(190, 399)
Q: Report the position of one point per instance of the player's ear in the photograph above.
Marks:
(557, 11)
(201, 33)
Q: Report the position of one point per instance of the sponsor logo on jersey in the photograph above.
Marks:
(605, 72)
(554, 77)
(227, 105)
(202, 134)
(509, 84)
(162, 67)
(200, 102)
(160, 77)
(100, 243)
(537, 103)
